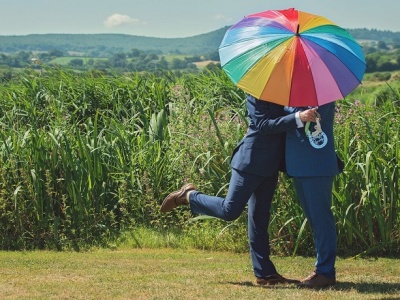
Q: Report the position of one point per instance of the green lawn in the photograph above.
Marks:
(179, 274)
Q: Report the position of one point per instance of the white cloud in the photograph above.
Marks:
(117, 20)
(221, 17)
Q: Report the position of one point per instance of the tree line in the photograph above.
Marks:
(132, 61)
(380, 57)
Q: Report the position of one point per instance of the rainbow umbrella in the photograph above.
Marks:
(292, 58)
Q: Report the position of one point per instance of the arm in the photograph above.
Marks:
(267, 123)
(269, 118)
(302, 113)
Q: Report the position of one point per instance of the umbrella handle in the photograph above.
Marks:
(318, 138)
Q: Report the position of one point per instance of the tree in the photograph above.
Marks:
(177, 64)
(118, 60)
(387, 66)
(382, 45)
(212, 67)
(163, 62)
(101, 64)
(23, 57)
(56, 53)
(134, 53)
(213, 56)
(153, 56)
(77, 62)
(371, 64)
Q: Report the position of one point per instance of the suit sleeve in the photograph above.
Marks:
(292, 110)
(270, 118)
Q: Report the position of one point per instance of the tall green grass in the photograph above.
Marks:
(86, 157)
(366, 197)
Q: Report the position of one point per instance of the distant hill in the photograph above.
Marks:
(112, 43)
(106, 44)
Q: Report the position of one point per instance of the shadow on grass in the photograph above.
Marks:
(242, 283)
(368, 288)
(362, 288)
(252, 284)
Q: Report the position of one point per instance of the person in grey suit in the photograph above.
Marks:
(312, 162)
(255, 165)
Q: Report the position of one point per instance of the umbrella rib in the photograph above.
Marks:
(354, 55)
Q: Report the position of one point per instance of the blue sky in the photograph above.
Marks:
(178, 18)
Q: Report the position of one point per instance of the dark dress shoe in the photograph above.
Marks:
(316, 281)
(176, 198)
(275, 279)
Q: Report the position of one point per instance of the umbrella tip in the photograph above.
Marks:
(297, 30)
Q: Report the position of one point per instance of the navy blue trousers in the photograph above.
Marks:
(315, 195)
(257, 192)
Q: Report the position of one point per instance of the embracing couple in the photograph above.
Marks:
(278, 139)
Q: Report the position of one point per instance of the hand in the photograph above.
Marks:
(308, 115)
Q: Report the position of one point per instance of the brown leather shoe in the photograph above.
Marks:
(316, 281)
(176, 198)
(275, 279)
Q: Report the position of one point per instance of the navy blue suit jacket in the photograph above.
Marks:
(302, 160)
(261, 151)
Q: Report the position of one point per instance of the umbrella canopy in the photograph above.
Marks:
(292, 58)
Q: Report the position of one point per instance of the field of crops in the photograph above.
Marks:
(85, 157)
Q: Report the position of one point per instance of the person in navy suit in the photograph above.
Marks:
(255, 165)
(312, 162)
